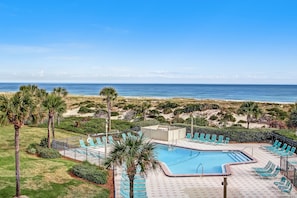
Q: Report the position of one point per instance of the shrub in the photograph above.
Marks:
(114, 113)
(44, 142)
(167, 110)
(47, 152)
(241, 121)
(90, 172)
(84, 109)
(167, 104)
(32, 148)
(213, 117)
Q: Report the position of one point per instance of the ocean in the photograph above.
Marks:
(261, 93)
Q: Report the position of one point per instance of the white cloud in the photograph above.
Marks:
(23, 49)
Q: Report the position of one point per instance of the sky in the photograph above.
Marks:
(149, 41)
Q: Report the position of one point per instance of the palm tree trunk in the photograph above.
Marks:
(131, 187)
(17, 159)
(109, 115)
(248, 119)
(53, 127)
(48, 131)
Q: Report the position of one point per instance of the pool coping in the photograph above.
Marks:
(227, 166)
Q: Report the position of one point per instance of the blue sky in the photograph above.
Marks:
(149, 41)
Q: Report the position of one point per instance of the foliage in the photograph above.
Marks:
(293, 118)
(213, 117)
(44, 142)
(84, 109)
(47, 152)
(251, 109)
(167, 104)
(90, 172)
(32, 148)
(167, 110)
(228, 117)
(114, 113)
(199, 121)
(146, 123)
(277, 113)
(161, 119)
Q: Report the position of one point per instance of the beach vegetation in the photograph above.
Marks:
(136, 154)
(90, 172)
(277, 113)
(251, 110)
(167, 104)
(292, 122)
(109, 94)
(213, 117)
(85, 109)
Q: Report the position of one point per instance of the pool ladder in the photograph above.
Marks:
(200, 165)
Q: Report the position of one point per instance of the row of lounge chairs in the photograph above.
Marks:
(208, 138)
(98, 142)
(284, 150)
(269, 171)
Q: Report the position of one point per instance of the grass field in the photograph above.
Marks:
(46, 178)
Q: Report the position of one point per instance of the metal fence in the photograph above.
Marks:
(289, 167)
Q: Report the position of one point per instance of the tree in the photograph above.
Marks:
(53, 104)
(110, 95)
(144, 107)
(292, 122)
(251, 110)
(62, 92)
(133, 152)
(17, 110)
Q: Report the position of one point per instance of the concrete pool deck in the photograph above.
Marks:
(241, 183)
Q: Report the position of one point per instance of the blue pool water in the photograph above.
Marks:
(186, 161)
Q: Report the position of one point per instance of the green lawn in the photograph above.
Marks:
(44, 178)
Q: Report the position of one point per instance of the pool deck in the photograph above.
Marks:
(241, 183)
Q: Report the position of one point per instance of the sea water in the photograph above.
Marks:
(264, 93)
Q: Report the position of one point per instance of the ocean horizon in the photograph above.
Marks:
(237, 92)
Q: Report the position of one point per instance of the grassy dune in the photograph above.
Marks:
(40, 177)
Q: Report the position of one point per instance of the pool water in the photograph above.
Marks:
(181, 160)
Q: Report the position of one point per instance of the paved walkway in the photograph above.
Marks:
(241, 183)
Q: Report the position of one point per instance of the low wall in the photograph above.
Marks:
(164, 133)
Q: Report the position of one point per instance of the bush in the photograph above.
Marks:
(115, 113)
(32, 148)
(90, 172)
(213, 117)
(167, 110)
(44, 142)
(47, 152)
(84, 109)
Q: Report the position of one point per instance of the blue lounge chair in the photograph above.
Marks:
(188, 136)
(202, 137)
(91, 141)
(220, 139)
(281, 152)
(207, 138)
(265, 168)
(110, 138)
(274, 145)
(290, 153)
(82, 144)
(269, 170)
(213, 138)
(196, 137)
(286, 188)
(270, 175)
(281, 182)
(279, 149)
(227, 140)
(99, 142)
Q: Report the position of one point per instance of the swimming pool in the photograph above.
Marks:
(179, 161)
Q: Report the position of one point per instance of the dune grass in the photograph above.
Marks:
(40, 177)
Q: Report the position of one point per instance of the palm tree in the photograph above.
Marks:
(144, 107)
(251, 109)
(53, 104)
(62, 92)
(134, 152)
(17, 110)
(110, 95)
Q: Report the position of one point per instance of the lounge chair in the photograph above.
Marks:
(110, 138)
(207, 138)
(274, 145)
(283, 152)
(270, 175)
(196, 137)
(202, 137)
(286, 188)
(220, 139)
(188, 136)
(290, 153)
(227, 140)
(129, 134)
(82, 144)
(99, 142)
(279, 149)
(265, 168)
(281, 182)
(269, 170)
(91, 141)
(213, 138)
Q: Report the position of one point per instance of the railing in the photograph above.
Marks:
(288, 166)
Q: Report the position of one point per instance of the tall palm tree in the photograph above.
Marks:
(251, 110)
(134, 152)
(53, 104)
(62, 92)
(110, 95)
(144, 108)
(17, 110)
